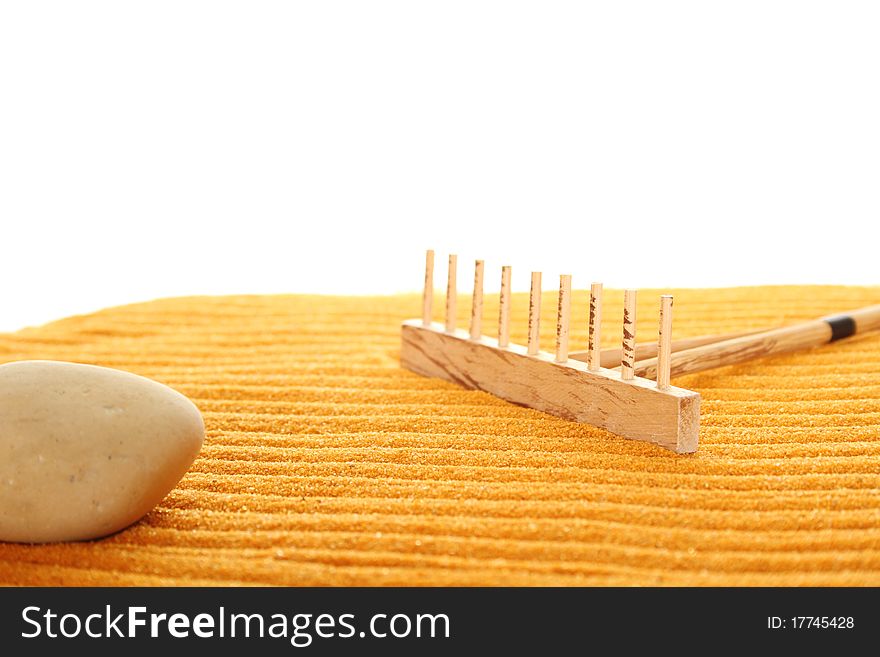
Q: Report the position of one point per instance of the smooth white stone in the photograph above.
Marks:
(86, 451)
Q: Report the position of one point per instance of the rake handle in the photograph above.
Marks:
(610, 358)
(776, 341)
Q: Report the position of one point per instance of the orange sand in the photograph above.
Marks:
(326, 464)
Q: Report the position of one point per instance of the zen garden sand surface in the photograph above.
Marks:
(326, 463)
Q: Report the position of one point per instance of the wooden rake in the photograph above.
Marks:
(627, 390)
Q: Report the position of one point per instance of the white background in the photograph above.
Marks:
(168, 148)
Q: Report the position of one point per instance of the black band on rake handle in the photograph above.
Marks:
(842, 326)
